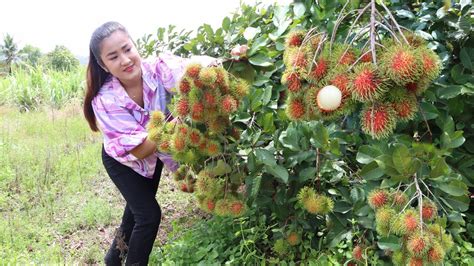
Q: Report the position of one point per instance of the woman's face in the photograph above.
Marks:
(120, 57)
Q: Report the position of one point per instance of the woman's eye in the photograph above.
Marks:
(113, 58)
(128, 50)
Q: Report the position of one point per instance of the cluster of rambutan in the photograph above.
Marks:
(424, 240)
(313, 202)
(184, 179)
(217, 190)
(387, 90)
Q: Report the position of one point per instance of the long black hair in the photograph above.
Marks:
(96, 75)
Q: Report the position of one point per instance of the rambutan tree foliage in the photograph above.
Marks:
(383, 177)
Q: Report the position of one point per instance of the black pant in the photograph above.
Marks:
(142, 214)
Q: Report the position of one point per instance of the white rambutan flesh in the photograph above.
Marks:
(329, 98)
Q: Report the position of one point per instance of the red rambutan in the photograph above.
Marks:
(418, 244)
(378, 120)
(378, 198)
(184, 86)
(197, 112)
(182, 107)
(366, 85)
(293, 238)
(428, 211)
(318, 70)
(293, 80)
(195, 137)
(192, 70)
(295, 38)
(357, 253)
(401, 64)
(295, 109)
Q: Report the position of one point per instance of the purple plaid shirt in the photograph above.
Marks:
(123, 122)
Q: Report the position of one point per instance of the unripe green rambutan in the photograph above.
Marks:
(192, 70)
(184, 86)
(398, 258)
(182, 107)
(295, 38)
(239, 89)
(228, 104)
(208, 76)
(378, 120)
(189, 157)
(401, 64)
(293, 80)
(295, 109)
(197, 112)
(378, 198)
(366, 83)
(436, 253)
(280, 247)
(293, 238)
(428, 211)
(222, 207)
(154, 134)
(357, 253)
(383, 220)
(438, 234)
(418, 244)
(157, 117)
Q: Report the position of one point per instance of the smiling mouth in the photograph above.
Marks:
(128, 69)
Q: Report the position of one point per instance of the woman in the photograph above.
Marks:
(121, 91)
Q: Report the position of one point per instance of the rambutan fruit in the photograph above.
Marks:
(239, 89)
(280, 247)
(378, 198)
(399, 199)
(295, 109)
(213, 148)
(428, 211)
(210, 205)
(399, 258)
(404, 103)
(194, 137)
(436, 253)
(366, 57)
(418, 244)
(318, 70)
(182, 130)
(298, 60)
(340, 79)
(366, 83)
(199, 84)
(164, 146)
(378, 120)
(418, 87)
(182, 107)
(293, 238)
(197, 112)
(157, 117)
(293, 80)
(222, 207)
(329, 98)
(183, 187)
(209, 99)
(313, 202)
(357, 253)
(154, 134)
(295, 38)
(208, 76)
(192, 70)
(222, 77)
(184, 86)
(401, 64)
(180, 173)
(407, 223)
(228, 104)
(413, 39)
(431, 65)
(383, 220)
(218, 125)
(343, 55)
(414, 261)
(236, 207)
(221, 168)
(178, 143)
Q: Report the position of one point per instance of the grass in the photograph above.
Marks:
(56, 201)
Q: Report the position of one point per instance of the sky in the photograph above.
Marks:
(47, 23)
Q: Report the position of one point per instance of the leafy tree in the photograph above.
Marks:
(61, 59)
(30, 55)
(9, 52)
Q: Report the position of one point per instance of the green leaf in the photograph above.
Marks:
(367, 154)
(371, 171)
(260, 60)
(250, 33)
(299, 9)
(290, 139)
(256, 182)
(226, 23)
(403, 13)
(307, 173)
(342, 207)
(265, 157)
(386, 163)
(439, 167)
(251, 163)
(454, 188)
(391, 243)
(268, 125)
(460, 203)
(401, 158)
(278, 171)
(321, 136)
(429, 110)
(465, 59)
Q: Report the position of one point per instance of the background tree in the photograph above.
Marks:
(61, 59)
(30, 55)
(9, 52)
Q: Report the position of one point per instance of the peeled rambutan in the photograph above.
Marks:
(192, 70)
(378, 120)
(295, 109)
(357, 253)
(418, 244)
(182, 107)
(366, 83)
(401, 64)
(428, 210)
(293, 238)
(378, 198)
